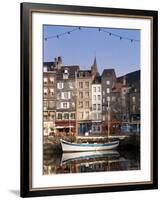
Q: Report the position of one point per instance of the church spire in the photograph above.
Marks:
(94, 69)
(95, 62)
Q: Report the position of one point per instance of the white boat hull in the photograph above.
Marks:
(75, 147)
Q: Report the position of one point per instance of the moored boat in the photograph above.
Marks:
(77, 147)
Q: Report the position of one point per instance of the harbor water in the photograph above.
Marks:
(97, 161)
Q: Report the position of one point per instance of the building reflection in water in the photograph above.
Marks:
(90, 162)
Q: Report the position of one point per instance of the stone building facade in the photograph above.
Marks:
(49, 94)
(97, 106)
(83, 102)
(108, 80)
(66, 98)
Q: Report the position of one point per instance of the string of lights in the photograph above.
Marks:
(61, 34)
(121, 37)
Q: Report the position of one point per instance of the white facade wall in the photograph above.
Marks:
(96, 108)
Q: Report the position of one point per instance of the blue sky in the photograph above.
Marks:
(81, 46)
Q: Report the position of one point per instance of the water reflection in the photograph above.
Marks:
(91, 162)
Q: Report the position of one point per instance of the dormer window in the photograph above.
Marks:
(45, 69)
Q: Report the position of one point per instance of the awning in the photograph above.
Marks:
(60, 127)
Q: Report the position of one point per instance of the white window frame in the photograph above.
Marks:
(108, 98)
(108, 90)
(107, 82)
(45, 80)
(60, 85)
(51, 79)
(62, 105)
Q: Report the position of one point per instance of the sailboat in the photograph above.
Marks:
(82, 147)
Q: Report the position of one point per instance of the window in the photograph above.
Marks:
(71, 85)
(87, 84)
(94, 106)
(52, 115)
(51, 90)
(94, 116)
(72, 104)
(124, 91)
(99, 89)
(81, 115)
(51, 79)
(45, 91)
(103, 100)
(87, 115)
(45, 115)
(59, 116)
(107, 82)
(66, 115)
(45, 104)
(45, 80)
(94, 89)
(65, 95)
(72, 116)
(94, 97)
(45, 69)
(87, 104)
(58, 105)
(80, 104)
(133, 99)
(65, 76)
(113, 98)
(99, 97)
(80, 84)
(60, 85)
(65, 105)
(99, 116)
(108, 90)
(58, 96)
(87, 94)
(81, 95)
(51, 104)
(108, 98)
(103, 93)
(99, 106)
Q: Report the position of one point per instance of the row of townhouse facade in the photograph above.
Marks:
(83, 102)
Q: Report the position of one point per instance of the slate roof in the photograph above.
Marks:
(108, 72)
(131, 78)
(72, 69)
(50, 65)
(84, 73)
(97, 80)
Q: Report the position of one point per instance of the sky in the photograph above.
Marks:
(82, 45)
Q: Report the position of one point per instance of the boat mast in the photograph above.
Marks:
(76, 105)
(108, 119)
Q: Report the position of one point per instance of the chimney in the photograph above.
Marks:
(58, 62)
(124, 80)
